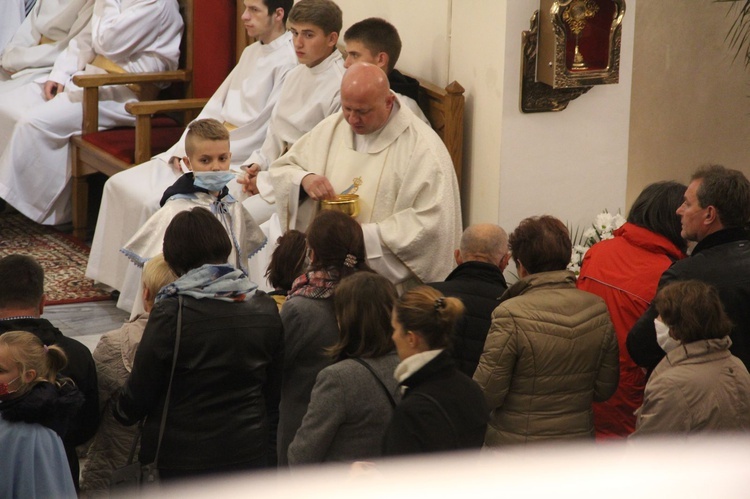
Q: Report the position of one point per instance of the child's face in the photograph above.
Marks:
(8, 367)
(209, 156)
(311, 44)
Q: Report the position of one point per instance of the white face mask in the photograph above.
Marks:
(666, 342)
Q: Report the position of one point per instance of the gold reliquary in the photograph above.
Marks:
(579, 42)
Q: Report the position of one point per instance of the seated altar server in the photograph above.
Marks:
(243, 102)
(42, 37)
(12, 14)
(408, 194)
(123, 36)
(376, 41)
(309, 95)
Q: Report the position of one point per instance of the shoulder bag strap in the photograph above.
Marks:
(377, 378)
(171, 377)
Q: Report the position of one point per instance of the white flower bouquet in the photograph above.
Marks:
(602, 228)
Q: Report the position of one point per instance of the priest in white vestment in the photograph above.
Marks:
(132, 36)
(41, 38)
(243, 102)
(409, 199)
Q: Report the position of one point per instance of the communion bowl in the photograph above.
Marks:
(345, 203)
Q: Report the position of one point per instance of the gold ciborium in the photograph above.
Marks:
(345, 203)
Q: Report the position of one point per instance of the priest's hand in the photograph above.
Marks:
(318, 187)
(52, 88)
(249, 181)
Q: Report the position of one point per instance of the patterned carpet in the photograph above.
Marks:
(61, 255)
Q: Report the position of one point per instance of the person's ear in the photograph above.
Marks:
(278, 14)
(41, 304)
(711, 215)
(503, 263)
(522, 272)
(147, 298)
(412, 339)
(381, 61)
(186, 160)
(457, 257)
(28, 376)
(333, 38)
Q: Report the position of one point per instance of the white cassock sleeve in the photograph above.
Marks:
(380, 258)
(59, 20)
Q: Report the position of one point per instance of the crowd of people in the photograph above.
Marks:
(389, 332)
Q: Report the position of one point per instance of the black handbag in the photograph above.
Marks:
(134, 474)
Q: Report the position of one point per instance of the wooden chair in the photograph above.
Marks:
(444, 108)
(210, 47)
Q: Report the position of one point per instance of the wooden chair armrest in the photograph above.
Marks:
(153, 107)
(88, 81)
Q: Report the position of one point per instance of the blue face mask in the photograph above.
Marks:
(212, 181)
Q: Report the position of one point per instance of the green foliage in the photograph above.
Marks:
(739, 34)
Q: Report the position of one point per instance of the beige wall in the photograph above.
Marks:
(690, 102)
(424, 28)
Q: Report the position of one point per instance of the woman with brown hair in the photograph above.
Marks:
(336, 249)
(353, 399)
(551, 350)
(699, 386)
(206, 374)
(442, 408)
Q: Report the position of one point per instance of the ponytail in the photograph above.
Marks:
(29, 353)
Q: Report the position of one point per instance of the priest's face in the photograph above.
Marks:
(366, 111)
(311, 44)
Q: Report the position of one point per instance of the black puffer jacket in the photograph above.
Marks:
(81, 369)
(479, 286)
(45, 404)
(223, 408)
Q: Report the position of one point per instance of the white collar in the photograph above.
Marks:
(412, 364)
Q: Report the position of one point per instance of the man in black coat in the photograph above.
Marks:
(21, 305)
(478, 281)
(714, 214)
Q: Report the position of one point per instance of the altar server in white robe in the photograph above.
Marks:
(409, 200)
(133, 36)
(41, 38)
(376, 41)
(310, 94)
(244, 102)
(12, 13)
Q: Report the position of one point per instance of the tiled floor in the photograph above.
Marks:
(86, 322)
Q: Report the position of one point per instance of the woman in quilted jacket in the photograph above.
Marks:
(551, 350)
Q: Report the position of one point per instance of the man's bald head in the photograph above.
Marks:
(484, 243)
(366, 98)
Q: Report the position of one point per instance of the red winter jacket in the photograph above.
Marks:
(625, 272)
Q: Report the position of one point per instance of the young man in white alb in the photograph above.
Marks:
(310, 94)
(42, 37)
